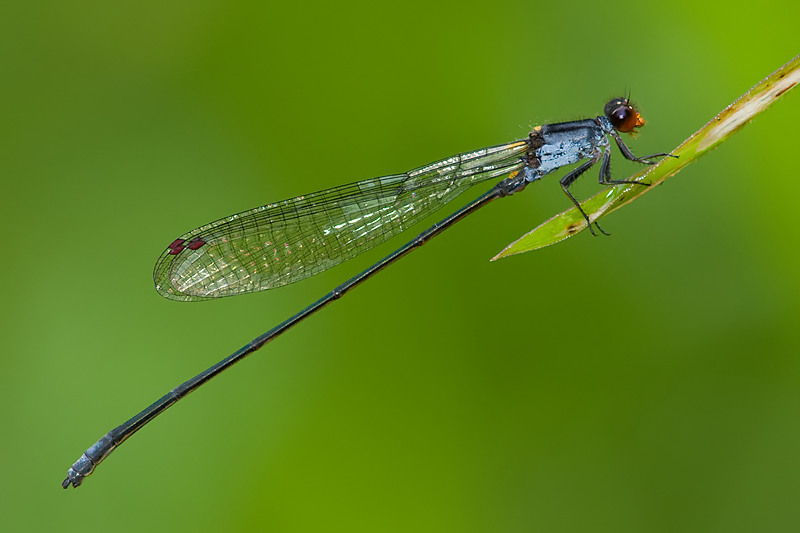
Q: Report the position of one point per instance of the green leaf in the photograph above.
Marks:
(721, 127)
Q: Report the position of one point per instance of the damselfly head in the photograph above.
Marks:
(623, 116)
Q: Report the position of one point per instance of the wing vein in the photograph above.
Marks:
(283, 242)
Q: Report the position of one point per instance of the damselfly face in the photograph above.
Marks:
(623, 116)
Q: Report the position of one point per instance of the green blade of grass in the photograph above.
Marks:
(720, 128)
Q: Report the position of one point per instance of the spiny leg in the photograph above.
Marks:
(605, 172)
(629, 155)
(605, 176)
(570, 178)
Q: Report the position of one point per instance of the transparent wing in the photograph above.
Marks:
(287, 241)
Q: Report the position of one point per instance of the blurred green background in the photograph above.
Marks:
(449, 393)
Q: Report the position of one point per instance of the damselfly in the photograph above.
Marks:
(287, 241)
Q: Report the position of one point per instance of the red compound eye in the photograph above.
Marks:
(623, 116)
